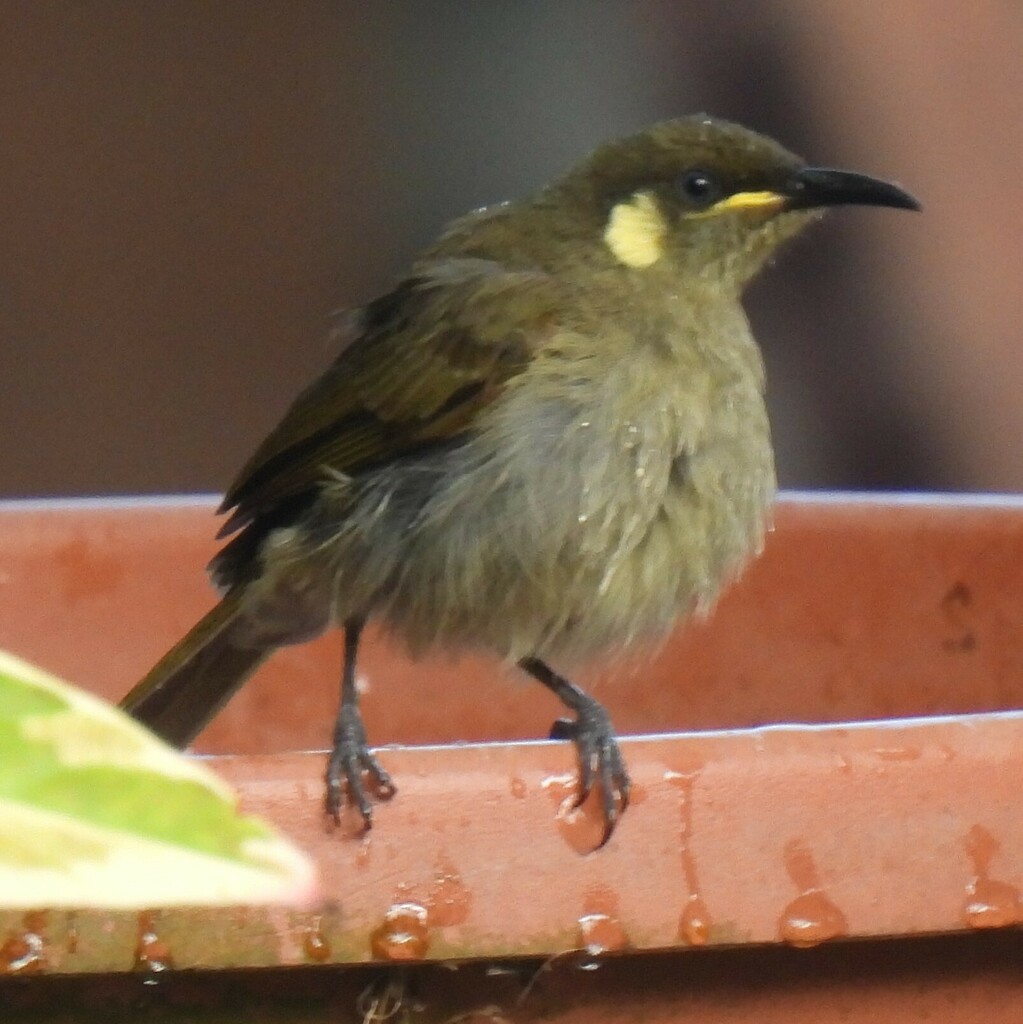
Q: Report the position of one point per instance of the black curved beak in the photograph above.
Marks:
(822, 186)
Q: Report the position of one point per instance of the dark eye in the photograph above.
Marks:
(699, 188)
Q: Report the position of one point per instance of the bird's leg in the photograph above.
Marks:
(600, 757)
(350, 755)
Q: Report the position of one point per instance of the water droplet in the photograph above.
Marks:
(601, 933)
(403, 934)
(694, 924)
(989, 903)
(811, 918)
(449, 901)
(315, 943)
(362, 853)
(898, 753)
(152, 954)
(24, 951)
(518, 788)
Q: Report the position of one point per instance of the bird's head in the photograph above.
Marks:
(706, 198)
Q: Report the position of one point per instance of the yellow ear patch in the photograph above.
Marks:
(636, 230)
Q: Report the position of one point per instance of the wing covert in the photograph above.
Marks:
(419, 364)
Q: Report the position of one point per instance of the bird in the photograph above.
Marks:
(547, 441)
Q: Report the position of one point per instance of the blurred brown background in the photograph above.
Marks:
(187, 188)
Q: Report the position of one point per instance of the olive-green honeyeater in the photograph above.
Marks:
(547, 441)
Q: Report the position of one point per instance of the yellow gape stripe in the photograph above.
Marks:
(635, 231)
(766, 201)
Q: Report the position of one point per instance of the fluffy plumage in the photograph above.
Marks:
(548, 440)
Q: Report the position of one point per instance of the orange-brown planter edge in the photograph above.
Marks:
(795, 834)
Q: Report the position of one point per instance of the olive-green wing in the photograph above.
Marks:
(420, 364)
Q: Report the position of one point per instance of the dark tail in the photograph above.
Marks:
(195, 678)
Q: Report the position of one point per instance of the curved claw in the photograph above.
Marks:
(614, 783)
(600, 758)
(349, 759)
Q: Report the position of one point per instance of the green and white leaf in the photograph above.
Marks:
(95, 811)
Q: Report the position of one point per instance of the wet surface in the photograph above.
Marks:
(403, 934)
(24, 950)
(152, 954)
(990, 903)
(694, 922)
(962, 979)
(811, 918)
(794, 834)
(315, 943)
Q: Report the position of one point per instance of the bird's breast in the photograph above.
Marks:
(591, 510)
